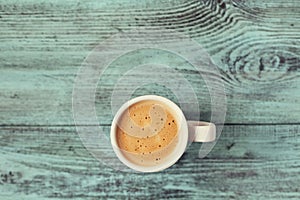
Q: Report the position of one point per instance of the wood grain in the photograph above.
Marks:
(249, 162)
(255, 45)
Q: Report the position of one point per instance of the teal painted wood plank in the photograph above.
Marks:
(44, 97)
(44, 43)
(248, 162)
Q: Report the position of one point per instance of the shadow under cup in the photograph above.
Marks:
(149, 133)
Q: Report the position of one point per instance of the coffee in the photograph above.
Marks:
(147, 132)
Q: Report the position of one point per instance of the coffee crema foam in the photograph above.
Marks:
(147, 132)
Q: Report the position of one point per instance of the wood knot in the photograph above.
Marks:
(10, 177)
(228, 147)
(263, 65)
(14, 96)
(222, 4)
(215, 5)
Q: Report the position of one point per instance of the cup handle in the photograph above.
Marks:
(202, 131)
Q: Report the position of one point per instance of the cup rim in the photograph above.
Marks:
(182, 133)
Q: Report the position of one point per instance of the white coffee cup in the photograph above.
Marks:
(195, 131)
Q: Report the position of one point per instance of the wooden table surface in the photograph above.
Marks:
(256, 46)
